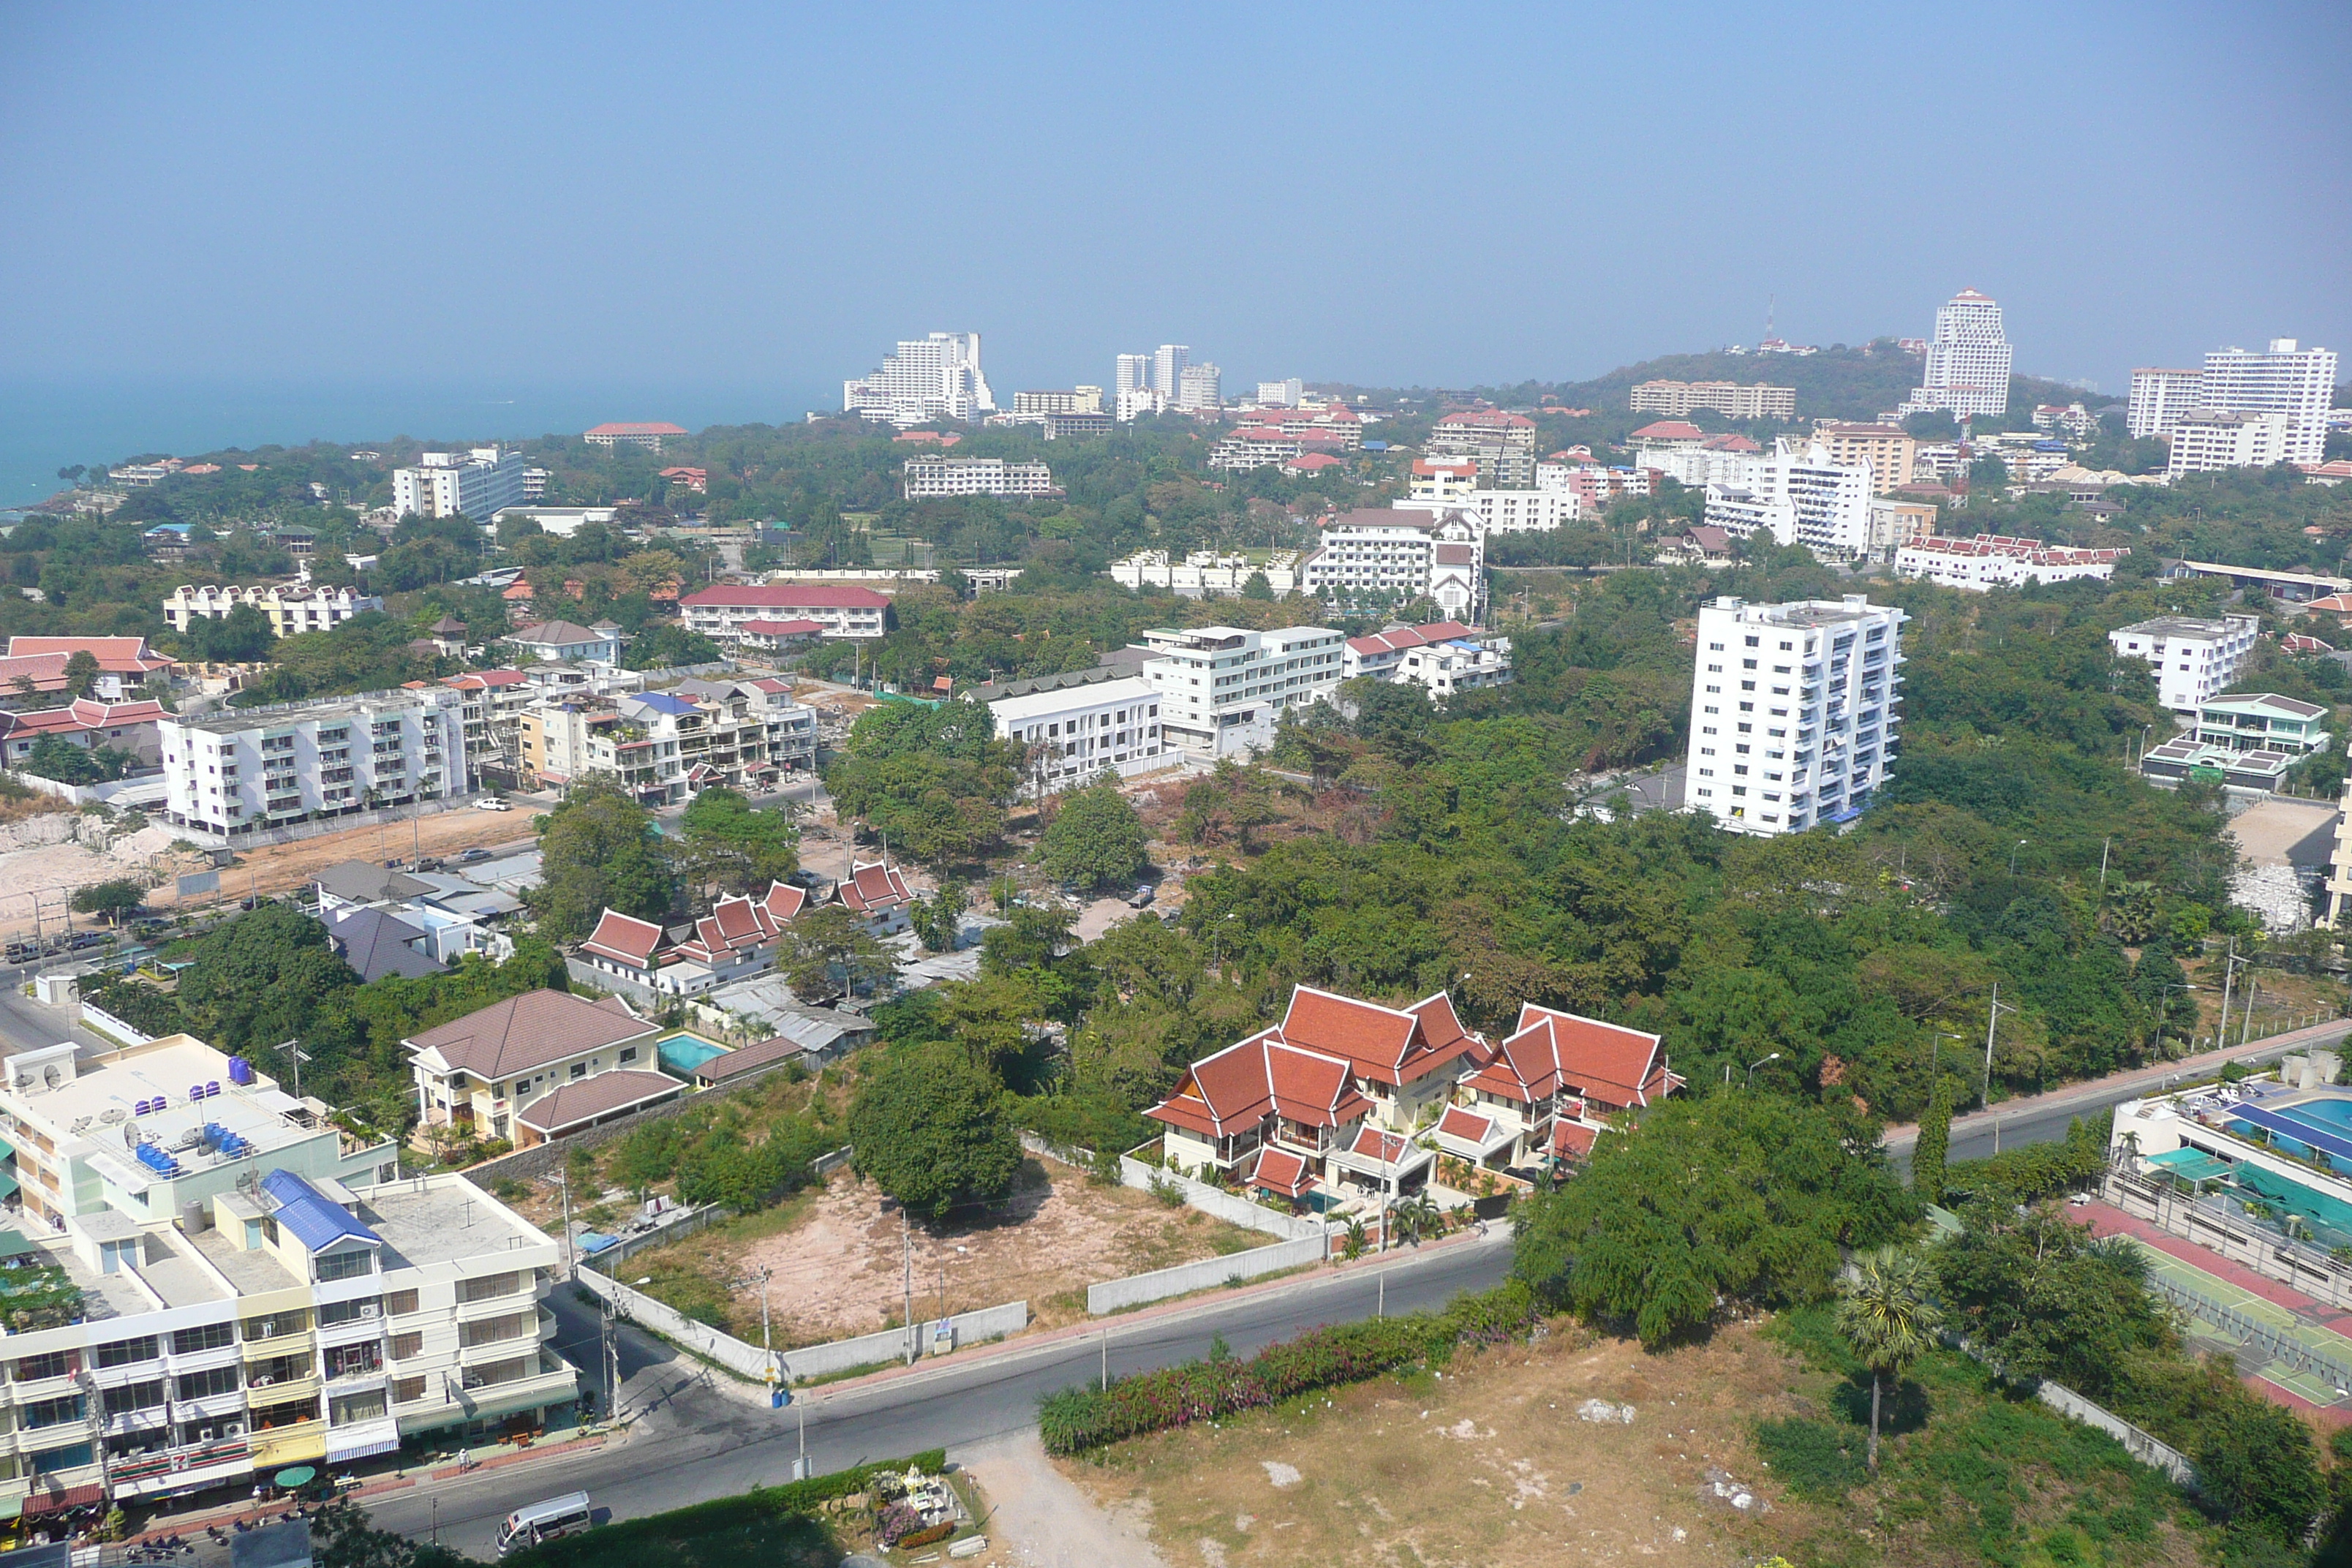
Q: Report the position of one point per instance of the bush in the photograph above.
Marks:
(1812, 1459)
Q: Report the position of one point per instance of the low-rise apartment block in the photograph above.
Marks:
(256, 768)
(664, 747)
(247, 1287)
(292, 609)
(490, 708)
(1503, 444)
(1378, 557)
(129, 728)
(1444, 657)
(2263, 721)
(1681, 399)
(1209, 574)
(1348, 1103)
(1800, 496)
(1793, 712)
(1223, 689)
(1887, 450)
(2206, 440)
(1507, 512)
(2159, 397)
(1992, 561)
(927, 477)
(1078, 726)
(647, 434)
(2194, 658)
(842, 609)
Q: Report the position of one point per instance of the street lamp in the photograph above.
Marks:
(1754, 1065)
(2012, 854)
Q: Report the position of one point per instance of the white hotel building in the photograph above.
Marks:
(1223, 689)
(932, 478)
(259, 768)
(292, 608)
(1799, 495)
(1079, 726)
(1792, 711)
(257, 1289)
(476, 483)
(2285, 379)
(2194, 658)
(929, 379)
(1968, 360)
(1377, 558)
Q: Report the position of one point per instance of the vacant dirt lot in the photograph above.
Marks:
(840, 1263)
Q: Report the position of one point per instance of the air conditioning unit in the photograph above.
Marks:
(234, 1428)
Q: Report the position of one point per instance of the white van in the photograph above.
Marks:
(544, 1521)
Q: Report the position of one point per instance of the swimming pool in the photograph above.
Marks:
(682, 1054)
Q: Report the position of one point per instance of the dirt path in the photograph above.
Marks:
(1038, 1519)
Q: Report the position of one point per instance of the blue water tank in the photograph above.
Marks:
(240, 1071)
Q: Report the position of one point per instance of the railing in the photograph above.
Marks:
(2211, 1223)
(2253, 1332)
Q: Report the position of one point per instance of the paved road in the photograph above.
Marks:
(696, 1441)
(2043, 1118)
(28, 1024)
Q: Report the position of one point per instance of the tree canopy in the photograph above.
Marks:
(1095, 840)
(931, 1131)
(599, 849)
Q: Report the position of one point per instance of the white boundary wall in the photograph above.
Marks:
(751, 1363)
(2143, 1447)
(1114, 1295)
(1229, 1207)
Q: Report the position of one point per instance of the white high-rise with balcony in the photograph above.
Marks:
(2158, 398)
(1968, 360)
(1134, 374)
(2285, 379)
(1168, 362)
(1200, 388)
(938, 377)
(1792, 711)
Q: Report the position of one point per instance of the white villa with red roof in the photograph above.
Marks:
(840, 609)
(735, 941)
(1351, 1097)
(879, 895)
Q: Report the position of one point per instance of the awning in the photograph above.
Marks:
(9, 1187)
(361, 1440)
(72, 1497)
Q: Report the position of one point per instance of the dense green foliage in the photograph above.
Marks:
(932, 782)
(1096, 840)
(931, 1131)
(728, 846)
(1732, 1197)
(599, 849)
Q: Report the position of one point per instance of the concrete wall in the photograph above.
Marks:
(2143, 1447)
(1115, 1295)
(106, 1023)
(751, 1363)
(1231, 1207)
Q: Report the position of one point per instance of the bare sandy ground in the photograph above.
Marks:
(1036, 1518)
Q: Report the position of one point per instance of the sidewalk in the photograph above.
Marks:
(2098, 1094)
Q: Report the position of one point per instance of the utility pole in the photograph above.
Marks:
(2228, 976)
(1992, 1018)
(2106, 846)
(571, 1248)
(908, 1237)
(611, 1335)
(1106, 1361)
(2246, 1030)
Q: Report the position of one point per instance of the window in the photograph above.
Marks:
(400, 1303)
(336, 1312)
(628, 1055)
(488, 1285)
(55, 1363)
(405, 1346)
(352, 1360)
(407, 1390)
(348, 1265)
(295, 1321)
(579, 1071)
(204, 1384)
(203, 1337)
(123, 1352)
(52, 1412)
(131, 1396)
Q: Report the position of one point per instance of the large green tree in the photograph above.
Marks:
(598, 850)
(1095, 840)
(1888, 1317)
(735, 846)
(929, 1129)
(827, 951)
(261, 979)
(1735, 1197)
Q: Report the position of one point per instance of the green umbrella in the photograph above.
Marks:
(299, 1476)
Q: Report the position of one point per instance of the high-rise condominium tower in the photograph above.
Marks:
(938, 377)
(1968, 360)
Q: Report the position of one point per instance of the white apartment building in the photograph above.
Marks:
(1444, 657)
(2159, 397)
(2204, 440)
(1793, 712)
(2285, 379)
(1680, 399)
(1894, 522)
(1992, 561)
(1281, 394)
(1132, 373)
(473, 484)
(1507, 511)
(1800, 496)
(1441, 479)
(1206, 574)
(1888, 450)
(928, 379)
(841, 609)
(1138, 400)
(1728, 460)
(1200, 388)
(258, 768)
(291, 607)
(1077, 400)
(1503, 444)
(2194, 658)
(256, 1291)
(939, 477)
(1168, 362)
(1376, 557)
(1223, 689)
(491, 705)
(1968, 360)
(1078, 726)
(665, 747)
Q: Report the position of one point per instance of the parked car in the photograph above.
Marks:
(1141, 898)
(22, 953)
(470, 856)
(429, 863)
(493, 805)
(86, 939)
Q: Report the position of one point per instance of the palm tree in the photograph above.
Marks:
(1887, 1320)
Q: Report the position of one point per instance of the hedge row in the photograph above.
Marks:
(617, 1544)
(1075, 1419)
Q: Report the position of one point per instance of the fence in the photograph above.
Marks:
(659, 1236)
(2142, 1446)
(751, 1363)
(106, 1023)
(1230, 1207)
(1115, 1295)
(2252, 1331)
(2208, 1223)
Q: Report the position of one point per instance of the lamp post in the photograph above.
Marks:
(1754, 1065)
(2012, 854)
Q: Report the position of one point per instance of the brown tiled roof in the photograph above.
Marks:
(871, 890)
(606, 1092)
(751, 1059)
(529, 1031)
(1607, 1062)
(1280, 1171)
(625, 939)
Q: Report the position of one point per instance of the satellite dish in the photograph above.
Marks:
(130, 1134)
(112, 1114)
(50, 1077)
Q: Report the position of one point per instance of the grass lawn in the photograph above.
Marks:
(1488, 1460)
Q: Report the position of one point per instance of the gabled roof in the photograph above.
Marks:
(872, 890)
(317, 1221)
(1237, 1087)
(484, 680)
(1396, 639)
(558, 633)
(625, 939)
(528, 1031)
(1387, 1044)
(117, 656)
(376, 942)
(1669, 430)
(1488, 419)
(365, 882)
(1280, 1171)
(601, 1094)
(1617, 1066)
(82, 714)
(783, 901)
(1573, 1141)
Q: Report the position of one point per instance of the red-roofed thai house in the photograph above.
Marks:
(1555, 1081)
(879, 895)
(124, 664)
(127, 727)
(735, 941)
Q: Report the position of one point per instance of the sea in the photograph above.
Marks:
(46, 426)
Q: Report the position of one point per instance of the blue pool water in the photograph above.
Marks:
(681, 1054)
(2330, 1111)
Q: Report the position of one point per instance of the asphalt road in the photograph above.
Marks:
(695, 1441)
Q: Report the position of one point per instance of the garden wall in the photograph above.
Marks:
(1116, 1295)
(106, 1023)
(1231, 1207)
(751, 1363)
(2143, 1447)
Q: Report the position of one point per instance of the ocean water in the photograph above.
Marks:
(47, 425)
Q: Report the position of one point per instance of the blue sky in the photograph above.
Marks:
(735, 207)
